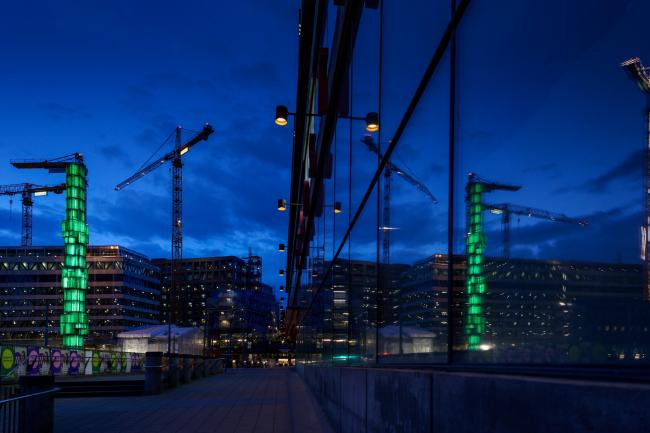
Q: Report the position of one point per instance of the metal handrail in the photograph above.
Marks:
(21, 397)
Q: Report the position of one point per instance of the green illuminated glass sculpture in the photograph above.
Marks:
(74, 274)
(475, 321)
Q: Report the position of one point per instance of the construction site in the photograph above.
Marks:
(344, 216)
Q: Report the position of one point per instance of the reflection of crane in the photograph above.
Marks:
(390, 169)
(177, 197)
(507, 209)
(641, 76)
(27, 190)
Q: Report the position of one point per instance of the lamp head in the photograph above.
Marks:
(372, 122)
(281, 115)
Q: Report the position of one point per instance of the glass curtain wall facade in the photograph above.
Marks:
(498, 215)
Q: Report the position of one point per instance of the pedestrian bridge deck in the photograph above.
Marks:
(240, 401)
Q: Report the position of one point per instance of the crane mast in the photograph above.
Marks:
(177, 213)
(386, 223)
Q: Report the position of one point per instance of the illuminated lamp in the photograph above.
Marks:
(281, 115)
(372, 122)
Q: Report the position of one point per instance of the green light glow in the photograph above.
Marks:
(74, 274)
(475, 321)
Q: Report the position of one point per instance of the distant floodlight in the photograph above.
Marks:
(184, 150)
(372, 122)
(281, 115)
(282, 204)
(281, 248)
(40, 193)
(337, 207)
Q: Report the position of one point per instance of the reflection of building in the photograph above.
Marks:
(223, 295)
(349, 307)
(123, 292)
(527, 302)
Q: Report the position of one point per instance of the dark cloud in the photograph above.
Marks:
(611, 235)
(551, 168)
(631, 168)
(59, 111)
(115, 153)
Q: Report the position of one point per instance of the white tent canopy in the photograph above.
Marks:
(156, 339)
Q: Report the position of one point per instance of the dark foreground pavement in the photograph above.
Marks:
(244, 400)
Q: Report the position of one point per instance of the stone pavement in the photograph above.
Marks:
(240, 401)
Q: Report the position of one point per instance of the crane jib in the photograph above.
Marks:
(175, 153)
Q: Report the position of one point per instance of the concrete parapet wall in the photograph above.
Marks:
(373, 400)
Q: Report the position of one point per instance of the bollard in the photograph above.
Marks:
(187, 368)
(173, 372)
(195, 370)
(220, 366)
(198, 366)
(153, 373)
(37, 413)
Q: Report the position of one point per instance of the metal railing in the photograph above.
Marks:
(13, 408)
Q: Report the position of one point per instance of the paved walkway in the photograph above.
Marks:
(241, 401)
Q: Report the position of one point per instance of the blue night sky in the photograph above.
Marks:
(542, 102)
(112, 79)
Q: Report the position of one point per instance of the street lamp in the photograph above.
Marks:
(282, 206)
(281, 248)
(282, 113)
(372, 122)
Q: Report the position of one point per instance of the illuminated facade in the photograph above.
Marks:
(74, 275)
(475, 321)
(224, 295)
(528, 303)
(123, 293)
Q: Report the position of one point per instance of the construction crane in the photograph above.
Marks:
(175, 156)
(177, 182)
(507, 209)
(28, 191)
(641, 76)
(388, 171)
